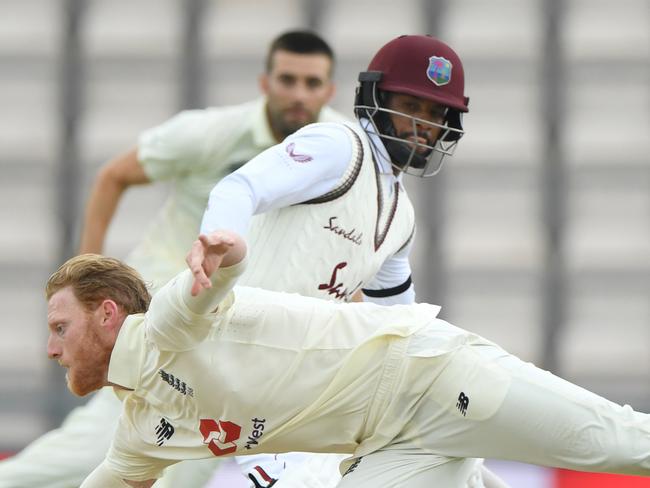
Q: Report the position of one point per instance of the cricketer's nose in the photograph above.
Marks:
(53, 348)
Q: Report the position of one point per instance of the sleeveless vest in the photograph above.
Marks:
(331, 246)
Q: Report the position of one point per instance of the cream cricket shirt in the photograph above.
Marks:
(193, 151)
(202, 385)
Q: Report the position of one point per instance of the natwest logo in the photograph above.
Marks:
(220, 436)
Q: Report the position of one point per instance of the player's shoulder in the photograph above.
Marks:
(210, 125)
(328, 142)
(335, 132)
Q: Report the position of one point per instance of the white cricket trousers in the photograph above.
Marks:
(487, 403)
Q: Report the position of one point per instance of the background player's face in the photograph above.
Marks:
(421, 108)
(77, 343)
(297, 87)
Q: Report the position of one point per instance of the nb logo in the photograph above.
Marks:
(462, 403)
(164, 431)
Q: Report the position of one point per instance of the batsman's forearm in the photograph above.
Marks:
(231, 206)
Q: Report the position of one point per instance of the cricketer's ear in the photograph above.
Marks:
(263, 82)
(109, 316)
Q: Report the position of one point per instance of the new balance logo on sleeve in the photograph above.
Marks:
(164, 431)
(462, 403)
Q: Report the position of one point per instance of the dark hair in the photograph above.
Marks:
(94, 278)
(300, 42)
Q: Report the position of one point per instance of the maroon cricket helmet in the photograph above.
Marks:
(422, 66)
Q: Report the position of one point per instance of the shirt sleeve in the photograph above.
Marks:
(176, 321)
(104, 477)
(392, 284)
(306, 165)
(131, 458)
(176, 146)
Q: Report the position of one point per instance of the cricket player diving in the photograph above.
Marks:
(207, 369)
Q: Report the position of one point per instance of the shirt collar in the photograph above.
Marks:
(262, 135)
(128, 352)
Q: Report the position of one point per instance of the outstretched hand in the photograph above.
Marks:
(207, 255)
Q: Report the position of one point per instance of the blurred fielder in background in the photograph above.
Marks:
(209, 372)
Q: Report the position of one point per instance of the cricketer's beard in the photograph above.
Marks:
(89, 370)
(410, 139)
(283, 124)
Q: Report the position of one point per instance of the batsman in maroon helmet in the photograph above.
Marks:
(413, 97)
(335, 193)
